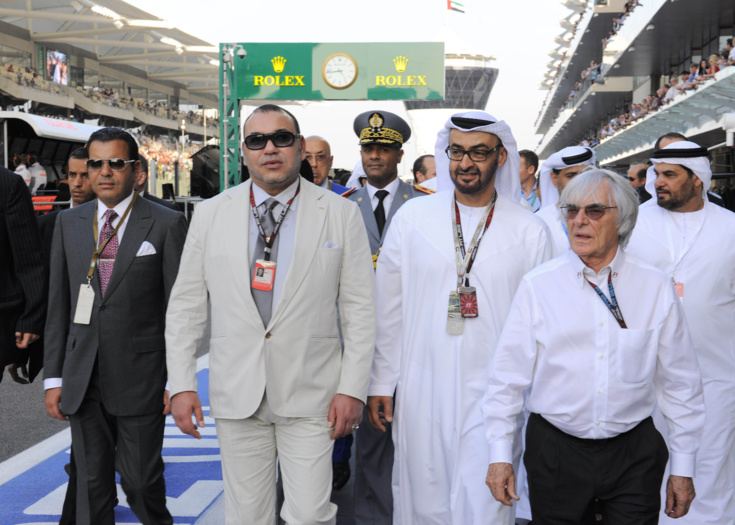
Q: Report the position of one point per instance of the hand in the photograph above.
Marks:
(21, 377)
(166, 403)
(52, 399)
(344, 412)
(679, 496)
(183, 405)
(502, 482)
(22, 340)
(374, 414)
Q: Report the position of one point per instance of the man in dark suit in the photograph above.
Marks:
(382, 135)
(141, 185)
(113, 264)
(22, 307)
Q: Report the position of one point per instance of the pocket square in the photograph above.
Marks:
(146, 249)
(330, 244)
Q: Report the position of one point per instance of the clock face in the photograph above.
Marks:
(339, 71)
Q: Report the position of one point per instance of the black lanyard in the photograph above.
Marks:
(614, 308)
(269, 240)
(464, 264)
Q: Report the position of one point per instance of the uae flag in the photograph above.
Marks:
(455, 6)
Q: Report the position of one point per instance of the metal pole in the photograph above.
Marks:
(176, 178)
(204, 113)
(5, 142)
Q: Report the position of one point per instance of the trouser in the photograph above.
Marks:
(567, 474)
(342, 448)
(373, 474)
(69, 510)
(249, 448)
(103, 441)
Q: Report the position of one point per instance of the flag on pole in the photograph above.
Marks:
(455, 6)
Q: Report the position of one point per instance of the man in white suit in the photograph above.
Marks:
(279, 383)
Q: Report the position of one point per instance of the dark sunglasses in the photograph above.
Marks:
(592, 211)
(115, 164)
(280, 139)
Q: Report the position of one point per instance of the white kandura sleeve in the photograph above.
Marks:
(511, 373)
(389, 338)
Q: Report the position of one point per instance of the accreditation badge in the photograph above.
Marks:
(467, 301)
(455, 321)
(679, 290)
(85, 302)
(264, 274)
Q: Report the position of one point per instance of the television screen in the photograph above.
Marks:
(57, 67)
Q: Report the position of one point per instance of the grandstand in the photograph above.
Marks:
(641, 48)
(109, 63)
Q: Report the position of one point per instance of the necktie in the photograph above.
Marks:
(108, 255)
(263, 299)
(380, 210)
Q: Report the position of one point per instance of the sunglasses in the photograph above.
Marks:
(280, 139)
(115, 164)
(632, 179)
(592, 211)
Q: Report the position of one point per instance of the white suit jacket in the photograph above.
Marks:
(297, 359)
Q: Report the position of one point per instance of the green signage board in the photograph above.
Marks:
(349, 71)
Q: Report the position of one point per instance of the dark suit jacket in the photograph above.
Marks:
(168, 204)
(126, 331)
(22, 301)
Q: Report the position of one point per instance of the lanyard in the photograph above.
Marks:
(466, 260)
(101, 247)
(685, 249)
(269, 240)
(614, 308)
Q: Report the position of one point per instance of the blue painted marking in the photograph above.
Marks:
(35, 485)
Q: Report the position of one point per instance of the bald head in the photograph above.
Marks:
(319, 156)
(637, 175)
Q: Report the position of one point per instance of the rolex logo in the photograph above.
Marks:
(278, 64)
(401, 63)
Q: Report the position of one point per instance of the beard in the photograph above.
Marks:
(480, 183)
(679, 198)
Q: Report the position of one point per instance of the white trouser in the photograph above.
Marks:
(249, 448)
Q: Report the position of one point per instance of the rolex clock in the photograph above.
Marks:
(339, 71)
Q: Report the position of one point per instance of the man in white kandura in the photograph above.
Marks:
(691, 240)
(598, 339)
(555, 174)
(446, 276)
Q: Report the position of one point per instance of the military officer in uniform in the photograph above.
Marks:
(382, 135)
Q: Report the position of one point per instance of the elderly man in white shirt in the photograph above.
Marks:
(600, 339)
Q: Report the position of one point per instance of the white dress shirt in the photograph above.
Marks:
(589, 377)
(391, 188)
(55, 382)
(286, 233)
(553, 219)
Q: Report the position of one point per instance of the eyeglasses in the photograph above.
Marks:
(632, 179)
(115, 164)
(280, 139)
(475, 155)
(592, 211)
(319, 157)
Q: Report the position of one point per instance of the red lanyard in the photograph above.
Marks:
(464, 263)
(269, 240)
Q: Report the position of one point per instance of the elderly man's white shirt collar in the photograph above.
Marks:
(584, 272)
(260, 195)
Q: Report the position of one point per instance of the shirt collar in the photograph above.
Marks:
(325, 184)
(261, 195)
(391, 188)
(119, 209)
(582, 271)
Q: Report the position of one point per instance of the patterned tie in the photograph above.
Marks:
(263, 299)
(380, 210)
(107, 257)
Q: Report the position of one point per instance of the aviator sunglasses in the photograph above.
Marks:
(592, 211)
(280, 139)
(115, 164)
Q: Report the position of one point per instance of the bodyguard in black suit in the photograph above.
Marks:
(22, 306)
(104, 364)
(141, 186)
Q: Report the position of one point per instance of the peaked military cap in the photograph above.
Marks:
(381, 127)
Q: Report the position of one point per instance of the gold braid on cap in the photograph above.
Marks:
(384, 135)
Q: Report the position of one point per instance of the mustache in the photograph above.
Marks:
(470, 171)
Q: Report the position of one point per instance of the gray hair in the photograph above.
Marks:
(620, 194)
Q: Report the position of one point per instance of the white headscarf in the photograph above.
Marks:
(357, 172)
(699, 165)
(549, 192)
(507, 181)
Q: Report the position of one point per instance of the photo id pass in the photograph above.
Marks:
(264, 274)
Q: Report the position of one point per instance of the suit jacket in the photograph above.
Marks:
(297, 358)
(125, 334)
(162, 202)
(22, 300)
(362, 198)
